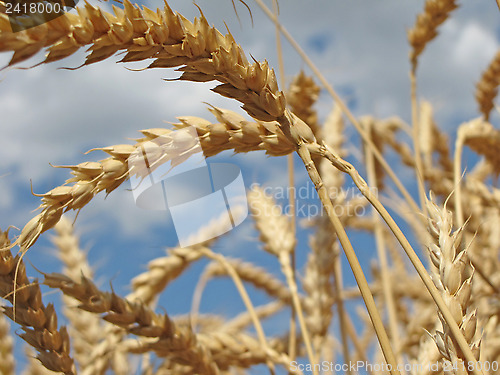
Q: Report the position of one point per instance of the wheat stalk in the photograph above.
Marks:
(254, 275)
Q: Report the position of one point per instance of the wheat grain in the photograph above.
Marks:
(34, 367)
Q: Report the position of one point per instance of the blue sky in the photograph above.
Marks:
(53, 116)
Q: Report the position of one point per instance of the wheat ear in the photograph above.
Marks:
(202, 52)
(136, 318)
(454, 280)
(318, 283)
(426, 25)
(90, 178)
(204, 352)
(85, 329)
(301, 97)
(38, 321)
(487, 87)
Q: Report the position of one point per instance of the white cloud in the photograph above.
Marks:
(475, 45)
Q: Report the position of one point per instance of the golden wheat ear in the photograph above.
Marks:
(37, 320)
(426, 25)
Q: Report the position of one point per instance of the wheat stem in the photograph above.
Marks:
(291, 183)
(297, 131)
(244, 296)
(343, 317)
(416, 141)
(419, 267)
(382, 256)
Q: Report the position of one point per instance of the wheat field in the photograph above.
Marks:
(393, 272)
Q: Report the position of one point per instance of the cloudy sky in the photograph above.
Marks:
(49, 115)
